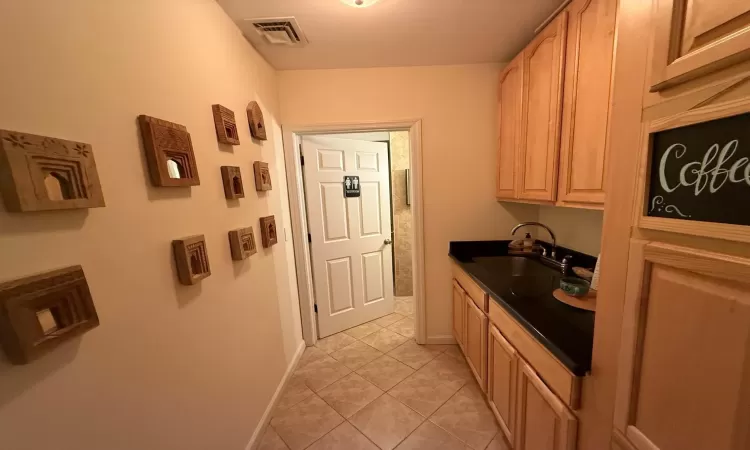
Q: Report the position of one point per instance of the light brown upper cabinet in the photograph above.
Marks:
(502, 369)
(544, 423)
(475, 346)
(543, 62)
(588, 70)
(458, 314)
(684, 371)
(696, 37)
(510, 95)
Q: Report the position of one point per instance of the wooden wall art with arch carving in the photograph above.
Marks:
(232, 179)
(242, 243)
(255, 119)
(268, 232)
(191, 259)
(226, 125)
(169, 153)
(262, 176)
(39, 173)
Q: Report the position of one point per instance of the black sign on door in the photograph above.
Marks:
(351, 186)
(702, 172)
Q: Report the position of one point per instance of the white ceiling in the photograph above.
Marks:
(397, 32)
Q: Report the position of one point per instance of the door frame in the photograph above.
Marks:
(292, 135)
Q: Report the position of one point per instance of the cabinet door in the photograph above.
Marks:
(476, 342)
(544, 423)
(684, 370)
(543, 61)
(459, 314)
(695, 37)
(588, 69)
(510, 95)
(502, 369)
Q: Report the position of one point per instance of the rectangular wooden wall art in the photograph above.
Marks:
(255, 119)
(262, 176)
(39, 173)
(39, 312)
(268, 233)
(226, 125)
(191, 258)
(169, 153)
(242, 243)
(232, 179)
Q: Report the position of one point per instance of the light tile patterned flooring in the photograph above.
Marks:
(373, 387)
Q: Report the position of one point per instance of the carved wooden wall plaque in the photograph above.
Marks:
(232, 180)
(39, 173)
(268, 232)
(255, 119)
(39, 312)
(226, 125)
(262, 176)
(191, 258)
(169, 153)
(242, 243)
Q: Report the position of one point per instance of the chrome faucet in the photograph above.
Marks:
(538, 224)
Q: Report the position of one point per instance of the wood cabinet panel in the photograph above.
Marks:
(544, 423)
(476, 342)
(459, 298)
(696, 37)
(472, 289)
(543, 62)
(588, 66)
(502, 370)
(510, 95)
(684, 371)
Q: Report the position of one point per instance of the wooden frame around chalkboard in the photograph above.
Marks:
(730, 232)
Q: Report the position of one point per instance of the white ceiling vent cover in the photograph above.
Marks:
(279, 31)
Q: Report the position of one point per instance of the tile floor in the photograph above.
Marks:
(373, 387)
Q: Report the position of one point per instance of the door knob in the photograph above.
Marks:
(387, 242)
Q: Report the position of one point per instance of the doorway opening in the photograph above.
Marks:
(358, 249)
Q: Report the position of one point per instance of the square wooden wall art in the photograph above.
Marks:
(268, 233)
(39, 312)
(39, 173)
(226, 125)
(242, 243)
(255, 119)
(232, 179)
(191, 258)
(169, 153)
(262, 176)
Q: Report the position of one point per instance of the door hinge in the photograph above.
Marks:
(315, 307)
(309, 238)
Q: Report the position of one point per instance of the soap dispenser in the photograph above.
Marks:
(528, 243)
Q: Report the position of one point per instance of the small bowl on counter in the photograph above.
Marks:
(575, 287)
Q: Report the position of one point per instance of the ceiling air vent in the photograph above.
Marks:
(279, 31)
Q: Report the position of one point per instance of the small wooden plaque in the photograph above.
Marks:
(262, 176)
(268, 233)
(39, 312)
(191, 258)
(255, 119)
(232, 180)
(226, 125)
(242, 243)
(169, 153)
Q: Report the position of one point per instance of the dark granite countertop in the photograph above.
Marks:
(523, 287)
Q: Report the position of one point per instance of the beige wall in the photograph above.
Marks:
(579, 229)
(402, 218)
(457, 105)
(171, 366)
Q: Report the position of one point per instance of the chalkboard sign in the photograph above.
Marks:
(351, 186)
(702, 172)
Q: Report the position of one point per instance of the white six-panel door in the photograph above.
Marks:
(350, 237)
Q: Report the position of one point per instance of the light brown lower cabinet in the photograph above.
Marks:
(475, 347)
(459, 300)
(543, 421)
(502, 363)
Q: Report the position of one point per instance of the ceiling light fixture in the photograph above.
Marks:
(359, 3)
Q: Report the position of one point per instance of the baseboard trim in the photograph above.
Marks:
(266, 418)
(440, 340)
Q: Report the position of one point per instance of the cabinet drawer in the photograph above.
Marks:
(472, 289)
(566, 385)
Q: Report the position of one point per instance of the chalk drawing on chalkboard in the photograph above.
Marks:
(657, 203)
